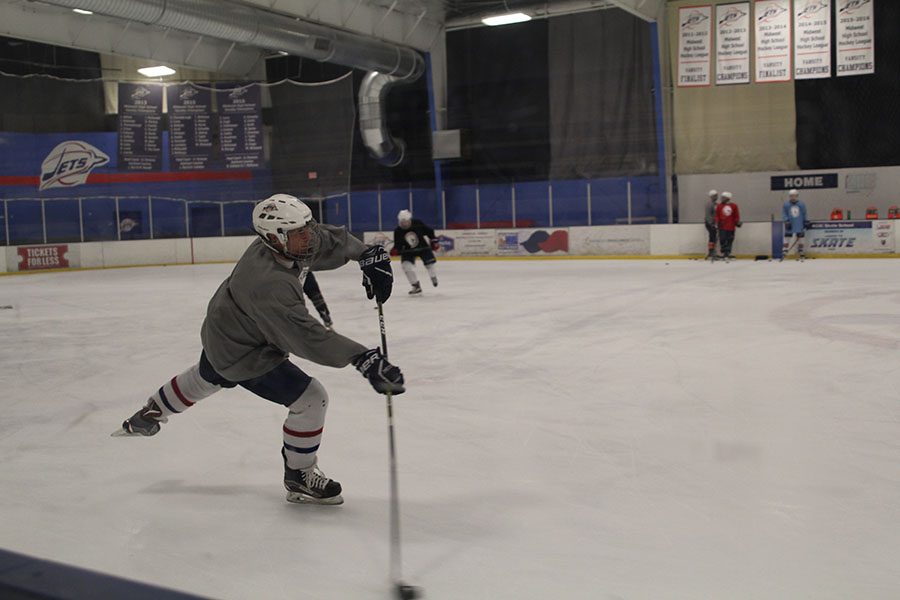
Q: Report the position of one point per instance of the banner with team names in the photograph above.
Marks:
(733, 43)
(855, 34)
(694, 45)
(812, 39)
(773, 40)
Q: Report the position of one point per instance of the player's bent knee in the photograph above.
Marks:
(314, 396)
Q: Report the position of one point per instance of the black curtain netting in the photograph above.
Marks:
(497, 92)
(312, 137)
(43, 105)
(847, 122)
(602, 119)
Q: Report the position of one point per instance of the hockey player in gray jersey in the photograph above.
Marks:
(258, 317)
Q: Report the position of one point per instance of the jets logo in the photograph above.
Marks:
(811, 8)
(237, 92)
(727, 210)
(140, 93)
(771, 12)
(69, 164)
(187, 94)
(694, 18)
(733, 15)
(269, 208)
(852, 6)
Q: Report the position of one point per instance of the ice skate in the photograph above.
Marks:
(310, 486)
(144, 422)
(416, 289)
(434, 281)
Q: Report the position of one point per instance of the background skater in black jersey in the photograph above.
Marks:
(414, 238)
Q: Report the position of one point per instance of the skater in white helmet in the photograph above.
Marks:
(413, 238)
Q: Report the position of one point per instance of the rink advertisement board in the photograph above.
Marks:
(694, 45)
(531, 242)
(850, 237)
(621, 240)
(38, 258)
(468, 242)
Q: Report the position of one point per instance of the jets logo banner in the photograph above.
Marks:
(855, 34)
(733, 43)
(69, 164)
(140, 127)
(694, 45)
(812, 39)
(772, 20)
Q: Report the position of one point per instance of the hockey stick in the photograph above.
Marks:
(403, 591)
(787, 251)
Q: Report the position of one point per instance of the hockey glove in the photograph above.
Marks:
(394, 251)
(738, 223)
(378, 277)
(383, 376)
(806, 224)
(435, 245)
(788, 230)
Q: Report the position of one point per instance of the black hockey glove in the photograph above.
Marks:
(788, 230)
(383, 376)
(378, 277)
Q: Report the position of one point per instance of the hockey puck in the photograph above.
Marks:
(408, 592)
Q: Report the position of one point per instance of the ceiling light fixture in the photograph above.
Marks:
(506, 19)
(156, 71)
(81, 11)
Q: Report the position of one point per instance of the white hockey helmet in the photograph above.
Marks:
(404, 216)
(794, 194)
(726, 195)
(280, 214)
(713, 193)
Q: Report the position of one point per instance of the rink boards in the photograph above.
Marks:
(827, 238)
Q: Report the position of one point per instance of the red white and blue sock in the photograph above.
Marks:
(183, 391)
(303, 426)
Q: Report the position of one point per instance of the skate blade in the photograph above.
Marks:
(120, 432)
(301, 498)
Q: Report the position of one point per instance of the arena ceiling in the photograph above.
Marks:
(416, 23)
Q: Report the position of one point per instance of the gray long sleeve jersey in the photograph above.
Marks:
(711, 213)
(258, 316)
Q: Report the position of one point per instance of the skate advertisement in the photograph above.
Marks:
(855, 35)
(850, 237)
(773, 40)
(38, 258)
(622, 240)
(694, 45)
(812, 39)
(733, 43)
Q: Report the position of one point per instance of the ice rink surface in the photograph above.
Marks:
(573, 429)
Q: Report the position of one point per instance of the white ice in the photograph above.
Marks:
(572, 429)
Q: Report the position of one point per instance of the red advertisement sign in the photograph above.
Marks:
(32, 258)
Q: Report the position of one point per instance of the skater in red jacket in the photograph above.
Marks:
(728, 216)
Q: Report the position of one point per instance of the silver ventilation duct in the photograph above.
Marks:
(251, 26)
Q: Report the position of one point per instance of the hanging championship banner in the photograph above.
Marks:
(812, 39)
(733, 43)
(855, 37)
(190, 127)
(773, 40)
(694, 45)
(240, 126)
(140, 134)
